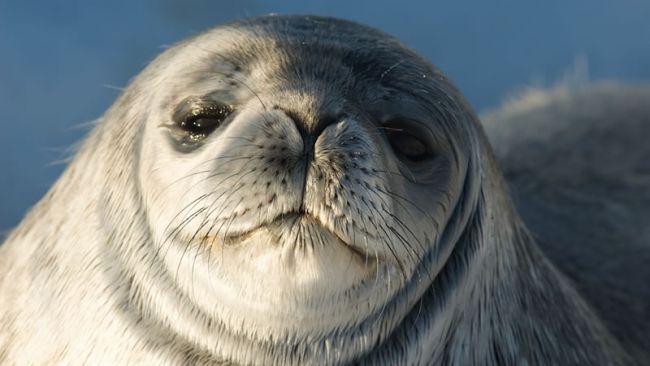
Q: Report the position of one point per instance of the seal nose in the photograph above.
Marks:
(310, 128)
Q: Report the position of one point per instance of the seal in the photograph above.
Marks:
(288, 190)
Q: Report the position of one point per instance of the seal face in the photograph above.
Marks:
(288, 190)
(285, 186)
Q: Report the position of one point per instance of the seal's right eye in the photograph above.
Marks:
(196, 118)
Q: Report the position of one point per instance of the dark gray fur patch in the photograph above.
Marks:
(578, 167)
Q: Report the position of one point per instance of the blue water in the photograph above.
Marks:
(61, 62)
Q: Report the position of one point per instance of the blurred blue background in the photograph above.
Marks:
(62, 62)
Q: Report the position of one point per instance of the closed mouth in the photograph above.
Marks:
(289, 219)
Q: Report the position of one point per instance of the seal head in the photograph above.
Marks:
(304, 180)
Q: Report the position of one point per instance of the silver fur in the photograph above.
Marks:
(295, 235)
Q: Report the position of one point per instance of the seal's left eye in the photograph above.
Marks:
(410, 146)
(195, 119)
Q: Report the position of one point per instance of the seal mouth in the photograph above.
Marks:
(288, 221)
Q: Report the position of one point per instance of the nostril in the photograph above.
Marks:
(310, 128)
(298, 120)
(326, 120)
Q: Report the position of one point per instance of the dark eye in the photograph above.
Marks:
(408, 146)
(196, 118)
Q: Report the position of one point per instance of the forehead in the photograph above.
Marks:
(325, 62)
(304, 48)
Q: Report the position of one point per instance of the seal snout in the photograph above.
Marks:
(330, 170)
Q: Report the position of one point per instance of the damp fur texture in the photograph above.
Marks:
(295, 233)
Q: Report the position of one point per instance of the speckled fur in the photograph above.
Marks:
(89, 277)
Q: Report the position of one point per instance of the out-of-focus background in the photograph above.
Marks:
(62, 63)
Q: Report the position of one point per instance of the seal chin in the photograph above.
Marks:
(314, 273)
(296, 251)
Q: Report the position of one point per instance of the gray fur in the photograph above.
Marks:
(578, 166)
(82, 282)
